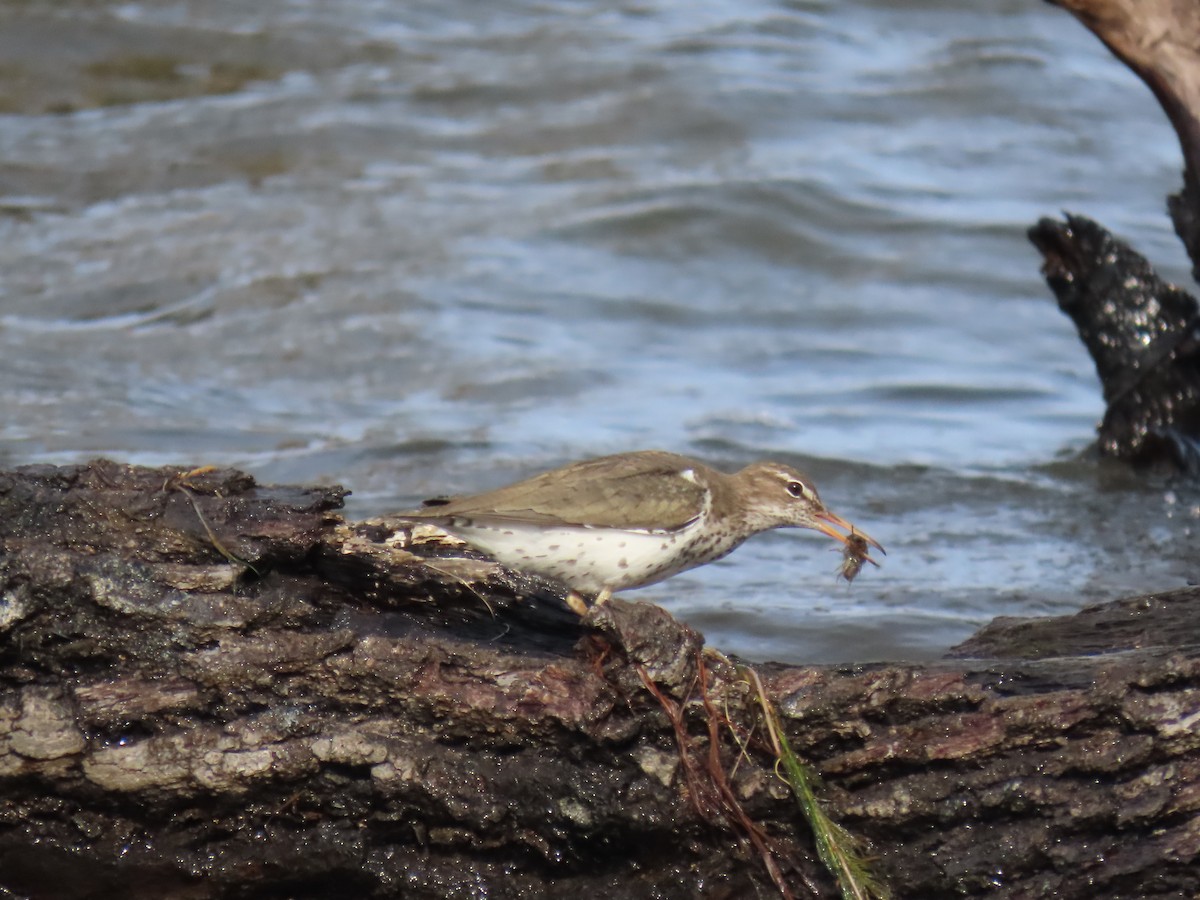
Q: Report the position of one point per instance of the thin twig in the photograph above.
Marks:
(220, 548)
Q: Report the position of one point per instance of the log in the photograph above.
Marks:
(210, 688)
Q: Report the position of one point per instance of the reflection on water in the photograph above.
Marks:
(419, 249)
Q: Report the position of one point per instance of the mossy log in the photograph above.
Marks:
(214, 689)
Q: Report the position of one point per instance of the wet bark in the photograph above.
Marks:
(214, 689)
(1143, 334)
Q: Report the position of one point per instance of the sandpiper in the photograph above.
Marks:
(631, 519)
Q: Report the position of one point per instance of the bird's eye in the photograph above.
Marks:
(796, 489)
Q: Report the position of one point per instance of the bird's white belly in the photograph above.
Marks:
(591, 559)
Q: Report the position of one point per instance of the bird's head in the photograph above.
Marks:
(778, 496)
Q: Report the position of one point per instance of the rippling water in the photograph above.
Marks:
(423, 248)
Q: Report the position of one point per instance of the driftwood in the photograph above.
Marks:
(1160, 41)
(1142, 333)
(212, 689)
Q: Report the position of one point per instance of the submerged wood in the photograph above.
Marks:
(1160, 41)
(214, 689)
(1142, 333)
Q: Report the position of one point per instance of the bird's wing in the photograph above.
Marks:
(646, 490)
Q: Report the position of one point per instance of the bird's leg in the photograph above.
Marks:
(575, 601)
(579, 605)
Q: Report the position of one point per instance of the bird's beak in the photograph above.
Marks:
(825, 522)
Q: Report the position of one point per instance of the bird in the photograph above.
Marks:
(628, 520)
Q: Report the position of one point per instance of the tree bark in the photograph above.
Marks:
(213, 689)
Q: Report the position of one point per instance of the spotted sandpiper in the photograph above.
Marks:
(631, 519)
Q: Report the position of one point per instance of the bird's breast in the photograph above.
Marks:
(591, 559)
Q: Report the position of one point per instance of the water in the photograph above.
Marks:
(426, 248)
